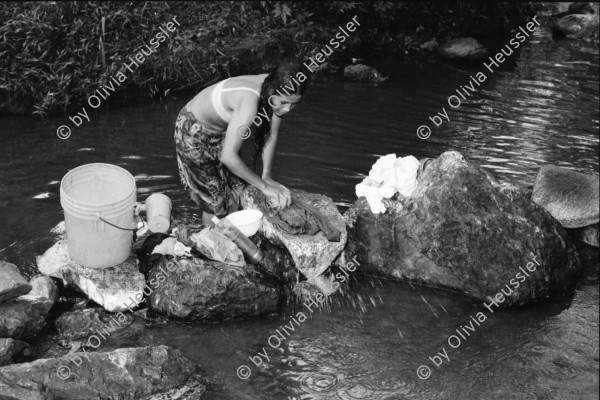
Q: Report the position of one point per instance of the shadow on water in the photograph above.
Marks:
(543, 108)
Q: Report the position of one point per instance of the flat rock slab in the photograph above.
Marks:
(570, 196)
(10, 348)
(312, 254)
(467, 49)
(197, 289)
(12, 284)
(123, 374)
(463, 230)
(113, 288)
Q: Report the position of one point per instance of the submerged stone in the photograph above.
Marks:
(571, 197)
(360, 72)
(125, 374)
(462, 230)
(463, 49)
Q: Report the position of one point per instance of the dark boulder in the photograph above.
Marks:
(9, 348)
(208, 290)
(463, 230)
(25, 316)
(124, 374)
(12, 284)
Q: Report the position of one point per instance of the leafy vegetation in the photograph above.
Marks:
(53, 55)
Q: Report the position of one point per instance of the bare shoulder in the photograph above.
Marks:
(251, 81)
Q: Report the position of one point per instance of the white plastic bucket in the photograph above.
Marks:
(88, 193)
(158, 212)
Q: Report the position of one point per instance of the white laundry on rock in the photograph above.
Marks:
(406, 175)
(388, 176)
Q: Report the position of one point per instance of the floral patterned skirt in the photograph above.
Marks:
(211, 185)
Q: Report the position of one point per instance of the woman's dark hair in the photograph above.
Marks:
(282, 80)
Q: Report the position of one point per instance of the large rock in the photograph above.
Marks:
(12, 284)
(312, 254)
(10, 348)
(462, 230)
(570, 196)
(130, 373)
(209, 290)
(23, 318)
(116, 288)
(463, 49)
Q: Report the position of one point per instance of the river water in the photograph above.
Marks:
(540, 108)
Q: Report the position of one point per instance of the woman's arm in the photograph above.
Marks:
(269, 149)
(241, 120)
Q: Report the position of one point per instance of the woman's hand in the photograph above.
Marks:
(277, 194)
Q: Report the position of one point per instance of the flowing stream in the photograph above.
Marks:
(540, 108)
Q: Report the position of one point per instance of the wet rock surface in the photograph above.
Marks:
(571, 197)
(312, 254)
(80, 324)
(12, 284)
(130, 373)
(589, 235)
(462, 230)
(463, 49)
(112, 288)
(25, 316)
(208, 290)
(578, 26)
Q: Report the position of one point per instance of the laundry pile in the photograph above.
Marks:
(388, 176)
(300, 218)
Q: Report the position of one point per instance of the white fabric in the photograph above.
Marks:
(388, 176)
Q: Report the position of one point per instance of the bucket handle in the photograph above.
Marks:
(111, 224)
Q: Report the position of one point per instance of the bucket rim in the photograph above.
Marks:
(160, 194)
(63, 193)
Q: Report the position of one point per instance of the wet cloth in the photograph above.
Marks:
(300, 218)
(209, 242)
(211, 185)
